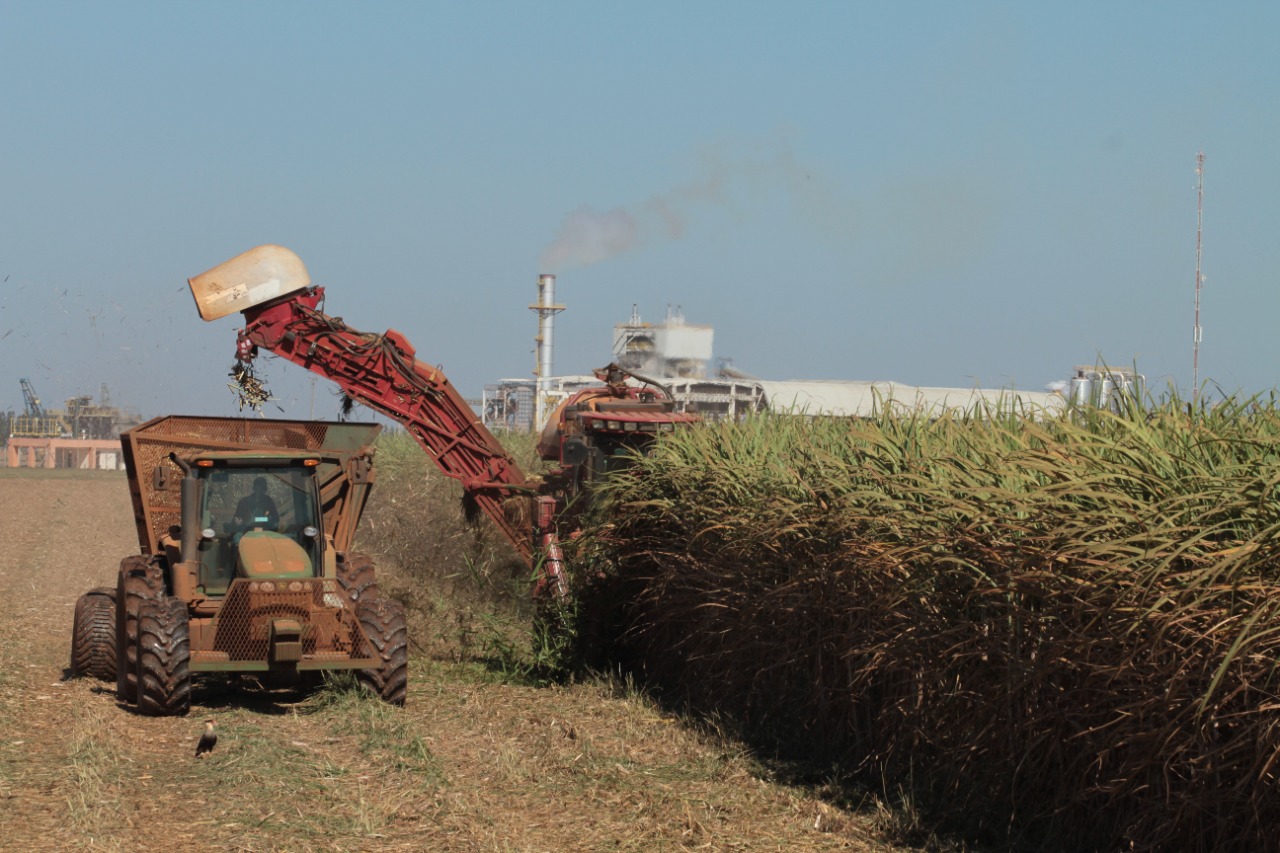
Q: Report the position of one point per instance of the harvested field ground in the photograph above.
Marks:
(470, 764)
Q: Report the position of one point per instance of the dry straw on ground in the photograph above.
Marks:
(474, 762)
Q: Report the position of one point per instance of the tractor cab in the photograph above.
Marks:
(259, 519)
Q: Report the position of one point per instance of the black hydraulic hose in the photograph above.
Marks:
(646, 380)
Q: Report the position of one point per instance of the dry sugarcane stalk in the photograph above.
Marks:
(248, 389)
(1076, 619)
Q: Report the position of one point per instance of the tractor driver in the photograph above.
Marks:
(257, 509)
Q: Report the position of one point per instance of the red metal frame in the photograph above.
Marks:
(383, 373)
(598, 419)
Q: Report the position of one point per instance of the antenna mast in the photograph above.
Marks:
(1195, 332)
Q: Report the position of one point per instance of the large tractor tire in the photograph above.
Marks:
(383, 621)
(93, 635)
(356, 577)
(141, 578)
(164, 658)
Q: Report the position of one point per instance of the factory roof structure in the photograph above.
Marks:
(678, 355)
(866, 399)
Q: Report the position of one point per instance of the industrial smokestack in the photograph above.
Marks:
(546, 324)
(546, 309)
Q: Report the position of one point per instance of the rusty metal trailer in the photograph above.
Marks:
(345, 471)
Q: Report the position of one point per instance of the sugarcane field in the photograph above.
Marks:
(574, 427)
(1013, 623)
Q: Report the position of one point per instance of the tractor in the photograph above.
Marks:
(245, 528)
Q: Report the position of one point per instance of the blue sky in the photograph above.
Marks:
(933, 193)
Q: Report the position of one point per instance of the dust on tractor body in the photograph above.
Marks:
(245, 528)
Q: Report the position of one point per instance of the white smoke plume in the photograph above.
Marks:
(588, 235)
(917, 224)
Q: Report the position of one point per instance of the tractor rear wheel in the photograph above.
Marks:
(383, 621)
(356, 577)
(164, 657)
(141, 578)
(93, 635)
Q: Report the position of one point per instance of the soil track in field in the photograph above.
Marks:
(470, 764)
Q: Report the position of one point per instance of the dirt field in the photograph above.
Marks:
(469, 764)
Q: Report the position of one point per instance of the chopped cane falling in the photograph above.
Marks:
(248, 389)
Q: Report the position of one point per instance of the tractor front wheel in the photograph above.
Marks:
(93, 635)
(141, 578)
(383, 621)
(356, 577)
(164, 657)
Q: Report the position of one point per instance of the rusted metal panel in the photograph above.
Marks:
(344, 480)
(258, 616)
(640, 417)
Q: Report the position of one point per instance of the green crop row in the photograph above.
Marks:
(1061, 632)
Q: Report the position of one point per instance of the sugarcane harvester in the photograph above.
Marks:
(589, 435)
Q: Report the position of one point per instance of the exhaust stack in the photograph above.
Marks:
(546, 309)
